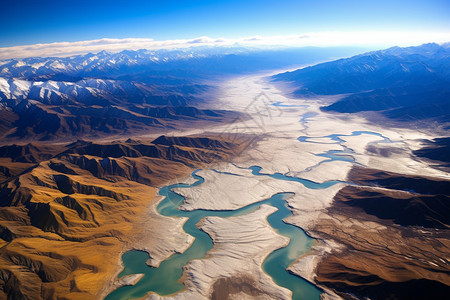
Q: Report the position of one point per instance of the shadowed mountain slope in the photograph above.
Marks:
(438, 150)
(403, 83)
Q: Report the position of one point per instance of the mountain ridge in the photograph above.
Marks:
(70, 212)
(404, 84)
(130, 92)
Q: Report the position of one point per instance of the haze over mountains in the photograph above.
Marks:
(112, 93)
(403, 83)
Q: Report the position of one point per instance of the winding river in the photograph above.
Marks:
(346, 153)
(166, 279)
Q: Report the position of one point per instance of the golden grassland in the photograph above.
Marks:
(65, 221)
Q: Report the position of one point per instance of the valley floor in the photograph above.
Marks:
(377, 214)
(378, 234)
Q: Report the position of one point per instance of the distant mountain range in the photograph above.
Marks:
(115, 93)
(403, 83)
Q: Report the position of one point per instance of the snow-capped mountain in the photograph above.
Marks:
(94, 94)
(378, 69)
(87, 92)
(104, 93)
(89, 64)
(142, 76)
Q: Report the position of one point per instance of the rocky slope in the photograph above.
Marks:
(394, 229)
(68, 211)
(58, 115)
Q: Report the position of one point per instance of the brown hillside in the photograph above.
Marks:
(66, 217)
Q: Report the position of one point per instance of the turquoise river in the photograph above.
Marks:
(166, 278)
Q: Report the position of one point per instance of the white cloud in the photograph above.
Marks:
(321, 39)
(252, 38)
(202, 40)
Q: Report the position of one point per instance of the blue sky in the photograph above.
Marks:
(31, 22)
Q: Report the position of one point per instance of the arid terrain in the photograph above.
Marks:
(69, 210)
(379, 234)
(263, 188)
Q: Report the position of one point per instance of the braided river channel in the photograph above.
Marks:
(166, 279)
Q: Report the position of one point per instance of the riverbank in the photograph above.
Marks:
(330, 146)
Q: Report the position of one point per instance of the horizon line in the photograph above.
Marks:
(312, 39)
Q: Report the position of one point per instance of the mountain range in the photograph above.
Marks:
(154, 64)
(87, 141)
(404, 84)
(119, 93)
